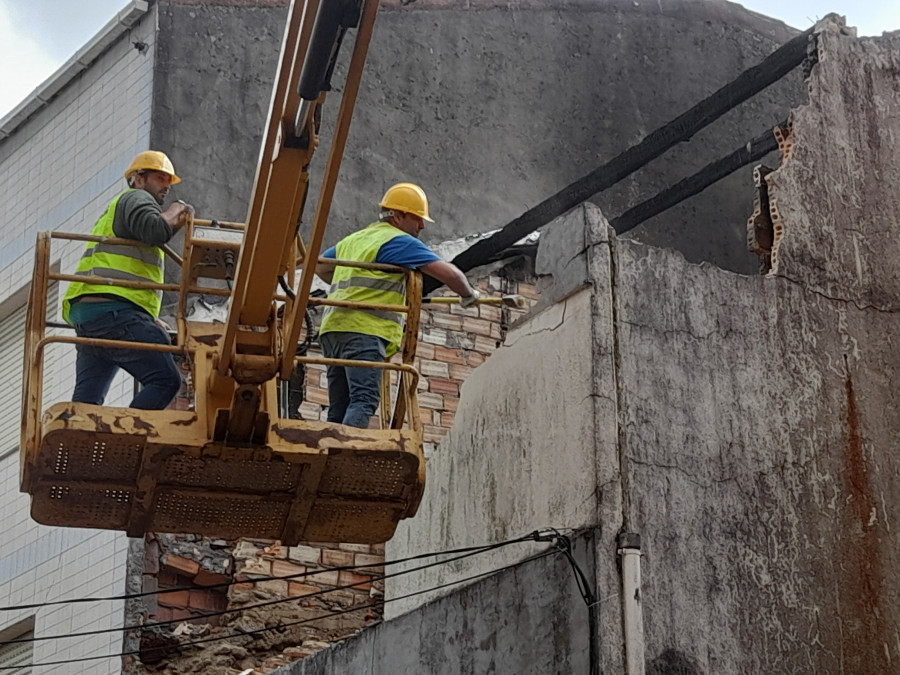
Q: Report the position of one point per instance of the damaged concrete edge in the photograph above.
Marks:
(769, 198)
(611, 476)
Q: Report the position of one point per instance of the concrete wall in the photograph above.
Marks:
(57, 172)
(529, 619)
(744, 426)
(492, 107)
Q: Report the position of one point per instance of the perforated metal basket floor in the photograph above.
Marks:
(154, 471)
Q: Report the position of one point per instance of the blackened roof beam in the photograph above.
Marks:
(749, 83)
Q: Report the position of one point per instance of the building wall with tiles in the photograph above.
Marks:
(58, 171)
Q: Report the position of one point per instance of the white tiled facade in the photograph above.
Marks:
(58, 171)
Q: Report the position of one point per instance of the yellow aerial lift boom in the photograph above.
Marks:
(233, 466)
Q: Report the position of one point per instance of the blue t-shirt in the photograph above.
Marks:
(403, 251)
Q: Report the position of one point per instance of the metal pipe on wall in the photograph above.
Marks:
(632, 602)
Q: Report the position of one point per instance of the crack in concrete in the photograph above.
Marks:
(691, 477)
(846, 301)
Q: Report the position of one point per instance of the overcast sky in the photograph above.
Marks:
(38, 36)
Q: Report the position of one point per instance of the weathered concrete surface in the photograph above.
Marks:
(745, 426)
(492, 106)
(528, 620)
(523, 460)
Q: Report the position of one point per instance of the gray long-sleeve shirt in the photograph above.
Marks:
(138, 217)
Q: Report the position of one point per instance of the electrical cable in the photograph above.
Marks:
(282, 626)
(201, 615)
(387, 563)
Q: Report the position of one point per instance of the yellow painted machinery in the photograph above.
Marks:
(232, 465)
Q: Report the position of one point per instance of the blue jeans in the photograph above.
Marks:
(95, 367)
(353, 393)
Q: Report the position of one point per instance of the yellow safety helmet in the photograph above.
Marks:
(152, 160)
(406, 197)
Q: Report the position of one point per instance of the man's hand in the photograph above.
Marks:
(469, 300)
(177, 215)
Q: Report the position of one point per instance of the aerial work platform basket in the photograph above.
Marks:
(179, 471)
(238, 464)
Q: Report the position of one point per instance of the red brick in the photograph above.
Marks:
(434, 369)
(207, 602)
(298, 589)
(335, 558)
(359, 548)
(359, 581)
(181, 565)
(243, 586)
(276, 550)
(425, 351)
(426, 415)
(474, 359)
(432, 401)
(485, 345)
(448, 321)
(433, 434)
(309, 555)
(317, 395)
(529, 291)
(477, 326)
(257, 566)
(490, 312)
(435, 336)
(310, 411)
(167, 577)
(281, 568)
(374, 564)
(274, 586)
(207, 578)
(151, 557)
(447, 419)
(451, 403)
(459, 310)
(496, 332)
(439, 385)
(378, 549)
(458, 372)
(162, 614)
(326, 578)
(174, 599)
(181, 614)
(448, 355)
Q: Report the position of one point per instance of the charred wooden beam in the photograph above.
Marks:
(682, 128)
(755, 150)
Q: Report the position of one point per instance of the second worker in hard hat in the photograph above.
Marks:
(369, 335)
(113, 312)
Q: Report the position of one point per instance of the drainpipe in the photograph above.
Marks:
(632, 610)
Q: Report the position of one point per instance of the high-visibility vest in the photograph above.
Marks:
(115, 261)
(359, 285)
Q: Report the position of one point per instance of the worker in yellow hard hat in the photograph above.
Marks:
(362, 335)
(111, 312)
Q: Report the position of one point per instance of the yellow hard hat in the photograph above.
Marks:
(406, 197)
(152, 160)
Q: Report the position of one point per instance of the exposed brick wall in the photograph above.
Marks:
(452, 342)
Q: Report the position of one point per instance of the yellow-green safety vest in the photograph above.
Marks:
(359, 285)
(115, 261)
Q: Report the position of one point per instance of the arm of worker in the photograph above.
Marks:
(452, 277)
(326, 272)
(139, 217)
(407, 251)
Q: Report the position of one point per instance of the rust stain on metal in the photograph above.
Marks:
(864, 634)
(99, 423)
(307, 436)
